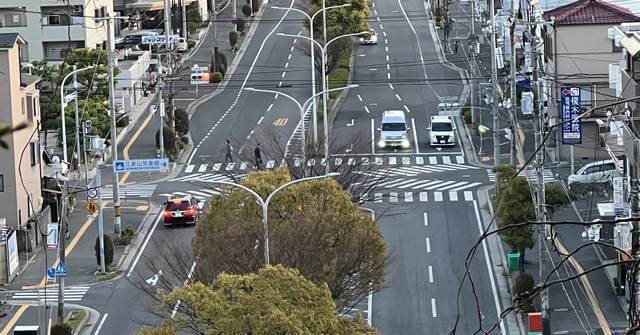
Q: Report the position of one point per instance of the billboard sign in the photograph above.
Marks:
(569, 110)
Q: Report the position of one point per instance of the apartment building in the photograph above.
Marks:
(52, 26)
(20, 166)
(624, 75)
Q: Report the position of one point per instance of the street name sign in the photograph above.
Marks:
(141, 165)
(158, 39)
(570, 108)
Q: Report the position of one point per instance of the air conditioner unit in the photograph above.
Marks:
(629, 27)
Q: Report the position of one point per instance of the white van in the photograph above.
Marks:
(595, 172)
(394, 131)
(442, 131)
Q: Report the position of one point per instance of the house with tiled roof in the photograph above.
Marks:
(578, 52)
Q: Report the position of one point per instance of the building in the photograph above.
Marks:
(20, 168)
(578, 53)
(625, 72)
(52, 26)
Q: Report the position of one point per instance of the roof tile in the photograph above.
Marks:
(591, 12)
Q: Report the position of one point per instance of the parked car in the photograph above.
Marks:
(371, 38)
(394, 131)
(182, 45)
(595, 172)
(133, 40)
(442, 131)
(182, 210)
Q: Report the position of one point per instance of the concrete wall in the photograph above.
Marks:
(14, 204)
(35, 32)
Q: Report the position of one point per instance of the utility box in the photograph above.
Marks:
(26, 330)
(535, 323)
(513, 261)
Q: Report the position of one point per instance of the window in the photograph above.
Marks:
(57, 50)
(33, 153)
(614, 48)
(53, 20)
(1, 183)
(23, 105)
(32, 106)
(13, 17)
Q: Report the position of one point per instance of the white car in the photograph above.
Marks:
(394, 131)
(372, 38)
(595, 172)
(181, 45)
(442, 131)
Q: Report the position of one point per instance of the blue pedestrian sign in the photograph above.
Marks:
(570, 108)
(141, 165)
(58, 271)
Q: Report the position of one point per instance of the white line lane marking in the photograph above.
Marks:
(283, 73)
(369, 307)
(388, 75)
(104, 317)
(289, 58)
(378, 18)
(434, 313)
(387, 56)
(415, 135)
(359, 97)
(175, 309)
(286, 65)
(268, 109)
(386, 49)
(426, 218)
(391, 86)
(261, 118)
(407, 109)
(381, 26)
(386, 41)
(428, 242)
(144, 245)
(488, 263)
(373, 141)
(384, 33)
(398, 97)
(250, 133)
(366, 109)
(430, 274)
(375, 12)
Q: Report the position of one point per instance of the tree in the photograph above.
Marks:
(233, 39)
(108, 250)
(182, 121)
(256, 5)
(166, 328)
(554, 197)
(169, 139)
(275, 300)
(313, 227)
(61, 329)
(246, 10)
(241, 25)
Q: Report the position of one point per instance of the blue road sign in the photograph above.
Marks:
(61, 270)
(570, 108)
(141, 165)
(51, 272)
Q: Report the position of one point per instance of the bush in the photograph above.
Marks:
(216, 77)
(170, 144)
(233, 38)
(123, 121)
(524, 283)
(182, 121)
(184, 140)
(61, 329)
(241, 25)
(108, 250)
(127, 236)
(246, 10)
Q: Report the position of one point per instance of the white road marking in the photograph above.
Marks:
(366, 109)
(144, 245)
(387, 56)
(271, 164)
(392, 161)
(381, 26)
(230, 166)
(373, 136)
(378, 160)
(365, 160)
(407, 108)
(386, 41)
(430, 274)
(428, 243)
(286, 65)
(419, 160)
(468, 196)
(261, 118)
(289, 58)
(453, 196)
(393, 197)
(466, 186)
(243, 165)
(359, 97)
(384, 33)
(398, 97)
(378, 197)
(250, 133)
(373, 69)
(446, 160)
(388, 66)
(437, 196)
(202, 168)
(488, 263)
(268, 109)
(375, 12)
(217, 166)
(460, 159)
(408, 196)
(189, 168)
(386, 49)
(406, 160)
(415, 135)
(388, 75)
(391, 86)
(425, 217)
(423, 196)
(284, 73)
(102, 320)
(434, 313)
(378, 18)
(433, 160)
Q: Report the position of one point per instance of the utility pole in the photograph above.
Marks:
(100, 217)
(472, 51)
(512, 91)
(114, 138)
(75, 87)
(541, 214)
(161, 114)
(185, 33)
(235, 16)
(62, 249)
(494, 84)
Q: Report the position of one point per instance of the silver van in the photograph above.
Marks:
(394, 131)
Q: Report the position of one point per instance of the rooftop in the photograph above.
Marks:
(583, 12)
(28, 79)
(8, 40)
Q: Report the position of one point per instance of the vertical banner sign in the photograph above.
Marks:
(52, 235)
(618, 196)
(12, 254)
(569, 109)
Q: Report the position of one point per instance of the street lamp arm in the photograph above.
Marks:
(275, 92)
(252, 192)
(327, 8)
(295, 182)
(345, 35)
(303, 37)
(64, 129)
(306, 103)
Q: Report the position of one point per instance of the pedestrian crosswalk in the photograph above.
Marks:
(132, 192)
(419, 163)
(71, 294)
(208, 177)
(201, 194)
(422, 196)
(530, 174)
(425, 184)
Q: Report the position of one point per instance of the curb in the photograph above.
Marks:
(343, 94)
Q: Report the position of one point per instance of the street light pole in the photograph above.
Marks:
(303, 107)
(313, 60)
(494, 84)
(264, 204)
(62, 106)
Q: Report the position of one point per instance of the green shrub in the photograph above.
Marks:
(184, 140)
(61, 329)
(246, 10)
(108, 250)
(241, 25)
(216, 77)
(127, 236)
(182, 121)
(123, 121)
(233, 38)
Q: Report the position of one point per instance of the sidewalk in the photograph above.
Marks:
(571, 311)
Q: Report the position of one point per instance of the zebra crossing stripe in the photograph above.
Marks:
(423, 196)
(182, 194)
(378, 197)
(412, 184)
(392, 161)
(311, 162)
(437, 196)
(296, 162)
(426, 183)
(393, 197)
(199, 194)
(453, 196)
(365, 160)
(446, 160)
(451, 186)
(433, 160)
(396, 182)
(466, 186)
(217, 166)
(364, 197)
(408, 196)
(441, 186)
(270, 164)
(419, 160)
(406, 160)
(189, 168)
(209, 191)
(379, 161)
(351, 161)
(468, 196)
(460, 159)
(243, 166)
(202, 168)
(337, 161)
(230, 166)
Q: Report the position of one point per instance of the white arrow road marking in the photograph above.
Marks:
(351, 124)
(153, 281)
